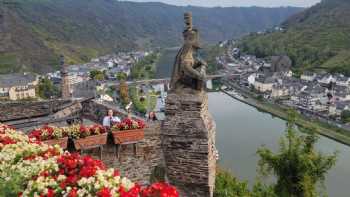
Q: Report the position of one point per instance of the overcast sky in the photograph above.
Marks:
(226, 3)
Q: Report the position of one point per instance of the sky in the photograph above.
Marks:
(227, 3)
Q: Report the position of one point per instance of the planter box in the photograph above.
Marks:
(62, 142)
(124, 137)
(91, 141)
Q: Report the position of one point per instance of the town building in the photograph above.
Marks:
(342, 80)
(18, 86)
(263, 84)
(279, 91)
(308, 76)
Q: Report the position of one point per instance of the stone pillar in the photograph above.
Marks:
(188, 142)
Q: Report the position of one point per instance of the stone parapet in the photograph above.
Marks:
(140, 167)
(188, 141)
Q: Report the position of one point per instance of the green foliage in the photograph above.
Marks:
(124, 92)
(145, 68)
(260, 97)
(8, 63)
(226, 185)
(345, 116)
(97, 75)
(314, 39)
(102, 27)
(12, 186)
(140, 102)
(121, 76)
(210, 53)
(299, 168)
(46, 89)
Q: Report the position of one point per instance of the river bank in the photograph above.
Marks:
(242, 129)
(322, 128)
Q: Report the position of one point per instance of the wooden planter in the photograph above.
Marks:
(128, 136)
(91, 141)
(62, 142)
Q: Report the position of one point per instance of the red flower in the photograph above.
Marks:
(72, 180)
(116, 173)
(127, 124)
(73, 192)
(87, 171)
(160, 190)
(104, 192)
(5, 140)
(50, 193)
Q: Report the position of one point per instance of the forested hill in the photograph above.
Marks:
(316, 39)
(34, 32)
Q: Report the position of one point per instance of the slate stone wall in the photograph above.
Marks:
(188, 141)
(140, 167)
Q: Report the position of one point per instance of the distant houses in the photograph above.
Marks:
(308, 76)
(264, 84)
(18, 86)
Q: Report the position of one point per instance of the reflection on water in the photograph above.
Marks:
(241, 130)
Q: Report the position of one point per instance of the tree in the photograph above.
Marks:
(46, 89)
(229, 186)
(121, 76)
(345, 116)
(124, 92)
(297, 166)
(97, 75)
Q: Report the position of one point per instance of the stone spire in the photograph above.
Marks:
(65, 86)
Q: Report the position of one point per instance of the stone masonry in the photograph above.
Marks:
(140, 167)
(188, 141)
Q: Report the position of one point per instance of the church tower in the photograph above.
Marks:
(65, 86)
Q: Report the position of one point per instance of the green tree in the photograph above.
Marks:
(97, 75)
(345, 116)
(124, 92)
(229, 186)
(298, 167)
(46, 89)
(121, 76)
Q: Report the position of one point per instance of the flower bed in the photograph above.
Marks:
(128, 130)
(36, 169)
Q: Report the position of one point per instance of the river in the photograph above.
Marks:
(242, 129)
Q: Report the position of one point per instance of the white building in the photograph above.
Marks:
(308, 76)
(263, 84)
(18, 86)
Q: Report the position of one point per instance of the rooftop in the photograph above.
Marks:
(17, 79)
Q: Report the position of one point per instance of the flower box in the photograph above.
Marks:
(90, 141)
(62, 142)
(127, 136)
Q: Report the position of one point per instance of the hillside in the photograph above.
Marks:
(34, 32)
(316, 39)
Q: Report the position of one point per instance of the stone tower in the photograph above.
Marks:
(65, 86)
(188, 131)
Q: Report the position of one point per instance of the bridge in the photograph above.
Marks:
(167, 80)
